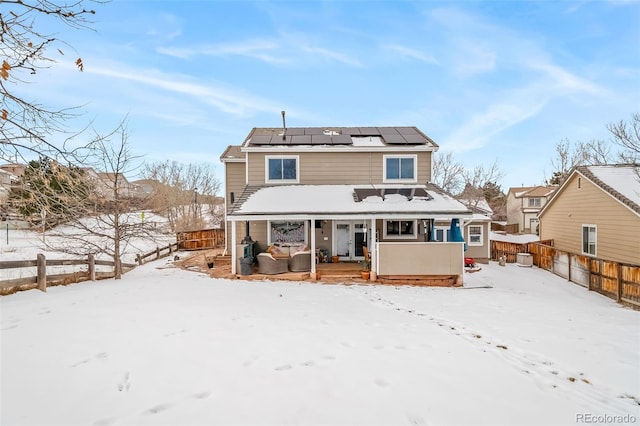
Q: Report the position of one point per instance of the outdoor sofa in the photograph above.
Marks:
(269, 265)
(300, 261)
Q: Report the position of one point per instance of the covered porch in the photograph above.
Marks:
(336, 222)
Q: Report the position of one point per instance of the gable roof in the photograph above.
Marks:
(532, 191)
(620, 181)
(351, 136)
(233, 154)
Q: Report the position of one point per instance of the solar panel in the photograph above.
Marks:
(313, 130)
(415, 139)
(351, 131)
(387, 131)
(295, 131)
(362, 193)
(369, 131)
(407, 130)
(394, 139)
(341, 140)
(320, 139)
(260, 140)
(301, 140)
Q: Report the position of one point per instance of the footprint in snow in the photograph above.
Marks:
(125, 384)
(104, 422)
(202, 395)
(158, 408)
(284, 367)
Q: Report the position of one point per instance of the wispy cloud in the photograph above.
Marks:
(563, 79)
(497, 117)
(250, 48)
(235, 103)
(331, 55)
(411, 53)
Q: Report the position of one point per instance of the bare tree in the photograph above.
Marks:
(627, 136)
(447, 173)
(106, 223)
(27, 126)
(185, 193)
(477, 179)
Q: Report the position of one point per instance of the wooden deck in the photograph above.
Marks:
(330, 273)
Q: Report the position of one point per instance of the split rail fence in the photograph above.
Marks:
(619, 281)
(86, 270)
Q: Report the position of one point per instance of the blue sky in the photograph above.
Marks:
(489, 81)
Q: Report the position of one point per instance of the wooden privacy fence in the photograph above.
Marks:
(86, 270)
(513, 228)
(201, 239)
(510, 250)
(616, 280)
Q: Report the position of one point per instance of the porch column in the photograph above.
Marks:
(374, 252)
(312, 232)
(234, 255)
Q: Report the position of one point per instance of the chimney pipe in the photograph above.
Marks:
(284, 126)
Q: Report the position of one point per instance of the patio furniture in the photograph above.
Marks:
(300, 261)
(269, 265)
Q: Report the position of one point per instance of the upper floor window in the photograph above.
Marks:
(400, 229)
(535, 202)
(400, 168)
(589, 242)
(282, 169)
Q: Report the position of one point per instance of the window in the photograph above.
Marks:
(442, 234)
(287, 232)
(400, 168)
(282, 169)
(589, 236)
(400, 229)
(535, 202)
(475, 235)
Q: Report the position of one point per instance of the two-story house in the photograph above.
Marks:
(335, 190)
(524, 204)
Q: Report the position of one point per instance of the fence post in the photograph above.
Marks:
(42, 272)
(157, 252)
(569, 270)
(139, 259)
(92, 267)
(619, 281)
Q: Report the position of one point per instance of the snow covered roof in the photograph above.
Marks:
(335, 201)
(479, 205)
(623, 179)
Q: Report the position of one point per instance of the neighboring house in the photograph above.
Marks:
(596, 212)
(14, 168)
(476, 232)
(524, 204)
(5, 187)
(106, 186)
(335, 190)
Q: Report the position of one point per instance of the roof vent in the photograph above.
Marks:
(328, 132)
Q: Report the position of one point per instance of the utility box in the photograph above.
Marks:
(524, 259)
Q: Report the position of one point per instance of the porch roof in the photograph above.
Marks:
(341, 202)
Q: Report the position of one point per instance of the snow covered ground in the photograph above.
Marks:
(164, 346)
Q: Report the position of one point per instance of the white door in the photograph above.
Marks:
(348, 239)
